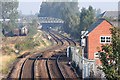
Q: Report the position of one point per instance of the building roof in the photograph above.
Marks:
(94, 25)
(111, 14)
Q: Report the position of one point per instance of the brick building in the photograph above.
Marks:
(97, 35)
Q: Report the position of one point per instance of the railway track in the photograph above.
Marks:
(27, 70)
(28, 73)
(53, 63)
(68, 71)
(53, 70)
(56, 38)
(70, 41)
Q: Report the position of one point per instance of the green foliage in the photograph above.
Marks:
(67, 11)
(8, 50)
(87, 17)
(1, 34)
(98, 13)
(109, 19)
(9, 11)
(43, 42)
(28, 43)
(33, 28)
(34, 23)
(18, 47)
(74, 21)
(110, 58)
(32, 31)
(71, 17)
(0, 25)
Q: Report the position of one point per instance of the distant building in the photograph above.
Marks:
(39, 26)
(113, 17)
(24, 30)
(97, 35)
(16, 32)
(111, 14)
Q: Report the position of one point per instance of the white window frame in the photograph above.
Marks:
(96, 56)
(105, 39)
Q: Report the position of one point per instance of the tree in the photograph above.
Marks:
(87, 17)
(67, 11)
(33, 27)
(98, 13)
(110, 58)
(9, 11)
(70, 14)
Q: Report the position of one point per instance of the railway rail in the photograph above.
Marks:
(27, 70)
(70, 41)
(53, 69)
(29, 62)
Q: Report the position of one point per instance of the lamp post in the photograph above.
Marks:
(83, 46)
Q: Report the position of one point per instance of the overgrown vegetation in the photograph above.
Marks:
(110, 58)
(5, 62)
(20, 44)
(1, 35)
(28, 43)
(8, 50)
(33, 28)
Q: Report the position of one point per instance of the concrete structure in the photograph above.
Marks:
(97, 35)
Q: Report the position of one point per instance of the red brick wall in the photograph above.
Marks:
(102, 29)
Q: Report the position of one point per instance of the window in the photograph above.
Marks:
(102, 39)
(96, 55)
(105, 39)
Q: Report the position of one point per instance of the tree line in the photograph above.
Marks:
(74, 20)
(9, 10)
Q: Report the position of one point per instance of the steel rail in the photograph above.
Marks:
(33, 63)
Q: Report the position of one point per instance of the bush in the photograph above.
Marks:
(8, 50)
(26, 44)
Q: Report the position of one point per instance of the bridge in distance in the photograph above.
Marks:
(41, 20)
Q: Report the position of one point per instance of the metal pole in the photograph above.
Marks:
(83, 62)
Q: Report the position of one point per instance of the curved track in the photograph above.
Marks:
(28, 71)
(70, 41)
(27, 68)
(53, 69)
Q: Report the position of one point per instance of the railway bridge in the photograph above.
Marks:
(44, 21)
(50, 22)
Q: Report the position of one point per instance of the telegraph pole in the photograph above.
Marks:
(83, 46)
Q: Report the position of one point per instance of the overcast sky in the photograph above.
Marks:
(32, 7)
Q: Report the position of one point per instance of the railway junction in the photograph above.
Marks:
(50, 63)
